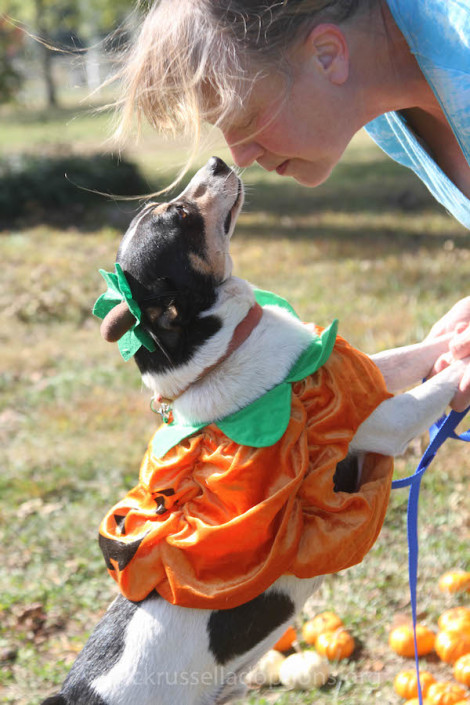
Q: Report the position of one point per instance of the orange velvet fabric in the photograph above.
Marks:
(212, 524)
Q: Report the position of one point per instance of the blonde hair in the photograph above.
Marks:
(196, 61)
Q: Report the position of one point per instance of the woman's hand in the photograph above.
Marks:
(461, 401)
(457, 320)
(459, 348)
(458, 314)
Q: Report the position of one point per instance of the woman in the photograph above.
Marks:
(290, 82)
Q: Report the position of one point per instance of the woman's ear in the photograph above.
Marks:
(328, 47)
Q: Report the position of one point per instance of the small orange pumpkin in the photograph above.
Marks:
(286, 640)
(406, 683)
(324, 622)
(451, 645)
(445, 693)
(401, 640)
(462, 670)
(415, 701)
(454, 581)
(454, 618)
(335, 645)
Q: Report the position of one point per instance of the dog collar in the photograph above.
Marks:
(240, 334)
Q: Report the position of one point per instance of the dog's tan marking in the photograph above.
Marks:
(154, 313)
(215, 263)
(215, 240)
(200, 264)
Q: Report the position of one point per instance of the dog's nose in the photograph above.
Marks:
(217, 166)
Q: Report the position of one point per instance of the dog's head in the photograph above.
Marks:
(174, 256)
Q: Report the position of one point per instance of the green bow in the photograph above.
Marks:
(118, 291)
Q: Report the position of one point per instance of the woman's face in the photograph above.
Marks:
(298, 130)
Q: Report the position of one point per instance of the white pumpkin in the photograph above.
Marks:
(266, 671)
(304, 670)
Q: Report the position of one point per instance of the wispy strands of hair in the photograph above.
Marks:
(180, 72)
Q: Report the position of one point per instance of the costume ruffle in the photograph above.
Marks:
(212, 524)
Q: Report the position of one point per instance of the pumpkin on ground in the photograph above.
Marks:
(445, 693)
(286, 640)
(406, 683)
(304, 671)
(462, 670)
(401, 640)
(266, 671)
(454, 618)
(450, 645)
(335, 645)
(454, 581)
(324, 622)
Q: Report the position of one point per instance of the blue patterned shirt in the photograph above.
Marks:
(438, 34)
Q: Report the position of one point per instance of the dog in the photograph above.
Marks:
(176, 260)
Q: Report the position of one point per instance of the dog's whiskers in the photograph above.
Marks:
(238, 170)
(162, 348)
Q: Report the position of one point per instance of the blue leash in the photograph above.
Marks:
(439, 432)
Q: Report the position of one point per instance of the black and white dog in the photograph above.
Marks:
(152, 652)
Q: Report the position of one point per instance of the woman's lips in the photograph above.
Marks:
(282, 167)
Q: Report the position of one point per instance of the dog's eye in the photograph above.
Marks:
(181, 210)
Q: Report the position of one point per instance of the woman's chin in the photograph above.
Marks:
(311, 177)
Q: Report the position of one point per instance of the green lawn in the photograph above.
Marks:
(369, 247)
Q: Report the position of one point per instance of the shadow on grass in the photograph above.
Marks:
(372, 187)
(365, 209)
(67, 190)
(354, 241)
(363, 202)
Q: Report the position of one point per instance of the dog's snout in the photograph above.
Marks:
(217, 166)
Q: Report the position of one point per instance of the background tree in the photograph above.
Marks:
(11, 41)
(67, 26)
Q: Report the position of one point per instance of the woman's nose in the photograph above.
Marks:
(245, 153)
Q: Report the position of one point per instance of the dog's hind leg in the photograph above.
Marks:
(101, 652)
(238, 637)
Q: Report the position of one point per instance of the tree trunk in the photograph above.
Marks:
(46, 58)
(51, 91)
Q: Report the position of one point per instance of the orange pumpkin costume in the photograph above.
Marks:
(212, 524)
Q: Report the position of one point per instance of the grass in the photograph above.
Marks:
(370, 246)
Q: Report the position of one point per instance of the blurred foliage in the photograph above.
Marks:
(69, 27)
(40, 188)
(11, 40)
(87, 19)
